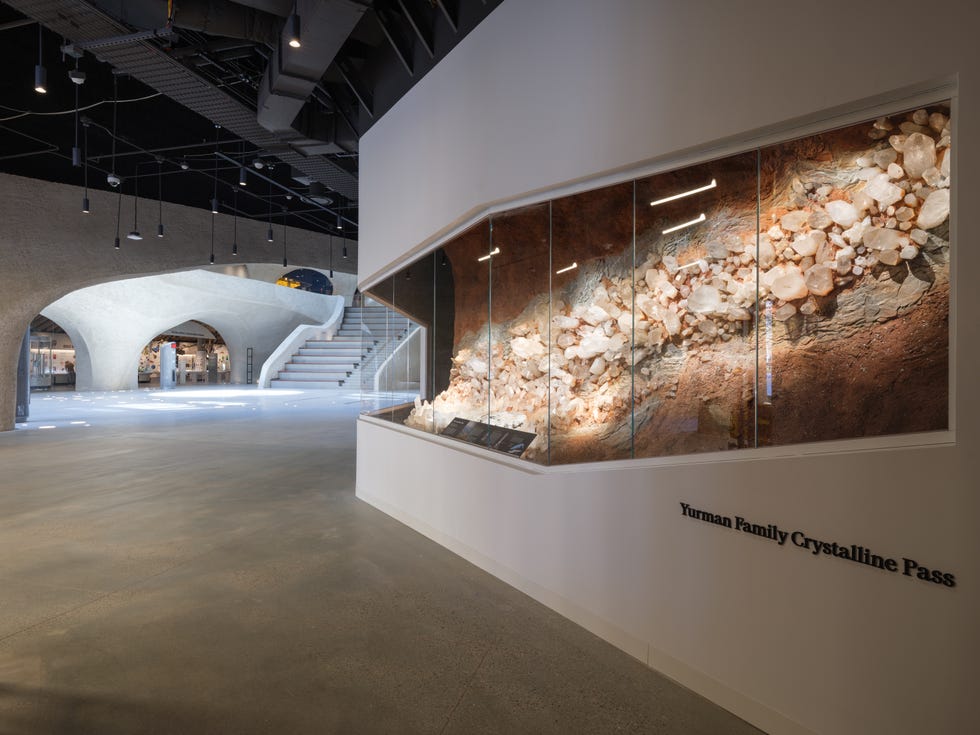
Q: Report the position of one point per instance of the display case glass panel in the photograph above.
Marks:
(592, 325)
(854, 334)
(694, 298)
(461, 339)
(519, 324)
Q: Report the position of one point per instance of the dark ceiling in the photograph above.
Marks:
(205, 87)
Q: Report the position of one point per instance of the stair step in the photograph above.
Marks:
(315, 367)
(306, 384)
(314, 375)
(334, 360)
(353, 352)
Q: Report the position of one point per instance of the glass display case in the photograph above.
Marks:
(793, 293)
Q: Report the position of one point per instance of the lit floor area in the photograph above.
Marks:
(196, 562)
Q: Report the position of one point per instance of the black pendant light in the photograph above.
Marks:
(285, 263)
(213, 215)
(85, 204)
(118, 215)
(331, 256)
(214, 196)
(234, 241)
(292, 29)
(76, 151)
(160, 195)
(40, 73)
(268, 236)
(134, 234)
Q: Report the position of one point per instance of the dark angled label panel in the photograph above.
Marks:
(823, 547)
(500, 438)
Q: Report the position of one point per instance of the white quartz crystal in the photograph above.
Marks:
(883, 191)
(934, 210)
(819, 280)
(790, 285)
(919, 154)
(879, 238)
(704, 299)
(793, 221)
(844, 214)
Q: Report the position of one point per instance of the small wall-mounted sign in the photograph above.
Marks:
(819, 547)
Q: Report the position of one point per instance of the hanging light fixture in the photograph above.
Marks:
(285, 262)
(292, 29)
(118, 215)
(234, 241)
(340, 225)
(214, 197)
(76, 151)
(444, 261)
(242, 171)
(112, 178)
(331, 256)
(40, 73)
(160, 195)
(212, 239)
(85, 205)
(268, 236)
(135, 232)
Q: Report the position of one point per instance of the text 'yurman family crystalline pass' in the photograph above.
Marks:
(819, 547)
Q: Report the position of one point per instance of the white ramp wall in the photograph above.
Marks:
(550, 92)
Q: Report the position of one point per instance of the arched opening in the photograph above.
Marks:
(52, 358)
(307, 279)
(201, 357)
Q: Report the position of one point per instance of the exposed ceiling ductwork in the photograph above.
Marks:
(79, 20)
(294, 73)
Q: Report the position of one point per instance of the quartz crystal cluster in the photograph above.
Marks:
(572, 364)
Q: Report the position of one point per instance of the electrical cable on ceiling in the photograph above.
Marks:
(25, 113)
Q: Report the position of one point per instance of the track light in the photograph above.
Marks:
(292, 30)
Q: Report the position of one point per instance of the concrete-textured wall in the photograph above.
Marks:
(48, 248)
(551, 92)
(110, 323)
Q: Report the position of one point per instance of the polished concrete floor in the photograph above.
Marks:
(196, 562)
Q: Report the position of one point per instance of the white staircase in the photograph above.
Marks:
(324, 364)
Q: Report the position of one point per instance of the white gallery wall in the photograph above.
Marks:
(547, 93)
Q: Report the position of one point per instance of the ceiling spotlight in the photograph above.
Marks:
(344, 253)
(214, 206)
(184, 165)
(292, 30)
(234, 248)
(242, 177)
(76, 76)
(268, 236)
(117, 243)
(134, 235)
(212, 259)
(258, 163)
(85, 205)
(113, 180)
